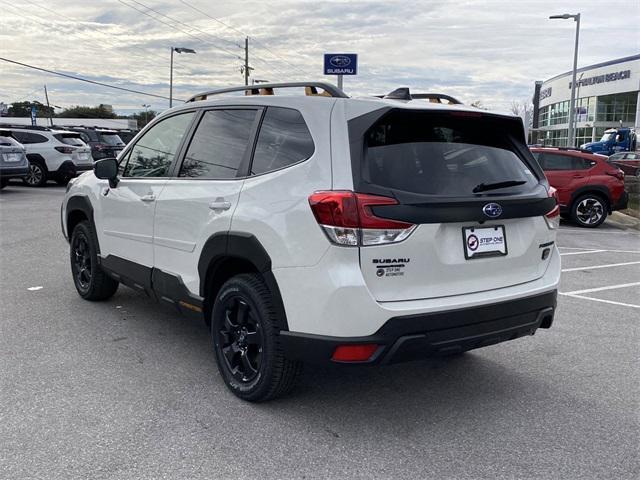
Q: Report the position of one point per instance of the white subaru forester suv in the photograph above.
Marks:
(323, 228)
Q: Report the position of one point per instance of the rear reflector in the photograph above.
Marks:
(354, 353)
(347, 219)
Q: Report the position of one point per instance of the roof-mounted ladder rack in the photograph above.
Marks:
(310, 88)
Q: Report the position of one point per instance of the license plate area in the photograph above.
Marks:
(482, 242)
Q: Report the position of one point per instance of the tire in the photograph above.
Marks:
(91, 282)
(63, 180)
(589, 211)
(37, 176)
(246, 341)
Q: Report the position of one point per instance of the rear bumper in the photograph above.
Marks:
(14, 172)
(622, 202)
(412, 337)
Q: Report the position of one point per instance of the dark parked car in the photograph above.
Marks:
(589, 187)
(628, 162)
(13, 161)
(104, 143)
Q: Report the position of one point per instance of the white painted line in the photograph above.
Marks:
(595, 267)
(602, 300)
(582, 252)
(603, 232)
(598, 250)
(600, 289)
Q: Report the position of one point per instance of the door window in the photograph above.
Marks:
(284, 139)
(550, 161)
(27, 138)
(219, 144)
(154, 152)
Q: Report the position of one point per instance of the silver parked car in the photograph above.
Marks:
(13, 161)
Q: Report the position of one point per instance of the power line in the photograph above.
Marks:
(73, 77)
(243, 34)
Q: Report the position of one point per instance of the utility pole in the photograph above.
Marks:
(171, 80)
(46, 96)
(246, 61)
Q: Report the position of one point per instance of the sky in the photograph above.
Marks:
(492, 51)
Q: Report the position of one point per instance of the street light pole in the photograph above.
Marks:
(572, 103)
(146, 112)
(177, 50)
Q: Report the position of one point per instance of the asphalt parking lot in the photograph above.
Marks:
(127, 389)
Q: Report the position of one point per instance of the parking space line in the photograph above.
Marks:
(601, 232)
(582, 252)
(589, 250)
(582, 297)
(595, 267)
(600, 289)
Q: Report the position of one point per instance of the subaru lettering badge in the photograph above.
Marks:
(340, 61)
(492, 210)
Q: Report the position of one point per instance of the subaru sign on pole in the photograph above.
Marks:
(340, 64)
(34, 114)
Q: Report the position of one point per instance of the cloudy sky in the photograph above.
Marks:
(491, 51)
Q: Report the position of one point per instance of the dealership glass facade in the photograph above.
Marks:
(607, 108)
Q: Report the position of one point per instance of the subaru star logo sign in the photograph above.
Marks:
(492, 210)
(340, 61)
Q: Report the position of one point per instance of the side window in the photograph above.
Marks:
(549, 161)
(85, 137)
(284, 140)
(219, 144)
(581, 164)
(27, 138)
(153, 153)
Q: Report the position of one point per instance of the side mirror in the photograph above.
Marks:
(107, 169)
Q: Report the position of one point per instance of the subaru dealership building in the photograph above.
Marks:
(606, 97)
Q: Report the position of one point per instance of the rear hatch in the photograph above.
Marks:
(111, 142)
(469, 189)
(80, 151)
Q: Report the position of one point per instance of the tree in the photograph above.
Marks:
(144, 117)
(23, 109)
(101, 111)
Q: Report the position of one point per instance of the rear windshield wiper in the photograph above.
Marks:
(483, 187)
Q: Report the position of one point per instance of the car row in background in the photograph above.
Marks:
(54, 153)
(628, 162)
(589, 186)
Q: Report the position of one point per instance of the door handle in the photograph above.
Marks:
(148, 198)
(220, 204)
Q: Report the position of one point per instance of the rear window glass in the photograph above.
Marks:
(70, 139)
(111, 139)
(8, 142)
(27, 138)
(442, 155)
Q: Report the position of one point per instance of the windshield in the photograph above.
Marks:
(443, 156)
(111, 139)
(607, 137)
(70, 139)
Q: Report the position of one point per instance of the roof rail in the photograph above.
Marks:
(26, 127)
(311, 89)
(403, 93)
(575, 149)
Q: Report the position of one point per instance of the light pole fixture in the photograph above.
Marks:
(572, 103)
(146, 107)
(177, 50)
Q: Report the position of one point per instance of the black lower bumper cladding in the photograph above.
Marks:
(442, 333)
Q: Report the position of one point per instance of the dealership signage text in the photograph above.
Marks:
(607, 77)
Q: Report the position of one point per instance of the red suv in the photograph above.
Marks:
(588, 187)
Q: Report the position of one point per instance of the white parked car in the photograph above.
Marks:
(53, 154)
(323, 228)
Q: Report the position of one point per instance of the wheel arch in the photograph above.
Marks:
(78, 209)
(225, 255)
(599, 190)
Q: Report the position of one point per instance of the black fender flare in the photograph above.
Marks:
(601, 189)
(79, 203)
(243, 246)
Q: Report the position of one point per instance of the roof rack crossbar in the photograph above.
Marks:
(267, 88)
(404, 94)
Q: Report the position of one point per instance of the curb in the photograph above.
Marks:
(624, 221)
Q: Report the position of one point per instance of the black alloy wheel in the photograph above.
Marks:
(81, 262)
(589, 211)
(240, 340)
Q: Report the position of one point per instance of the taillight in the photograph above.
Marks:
(618, 173)
(553, 217)
(100, 146)
(65, 149)
(347, 219)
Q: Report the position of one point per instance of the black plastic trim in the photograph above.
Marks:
(83, 204)
(412, 337)
(601, 189)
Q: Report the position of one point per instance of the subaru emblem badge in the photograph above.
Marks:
(492, 210)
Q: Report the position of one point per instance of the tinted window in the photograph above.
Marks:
(550, 161)
(111, 139)
(219, 144)
(284, 140)
(8, 142)
(70, 139)
(27, 137)
(153, 153)
(442, 155)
